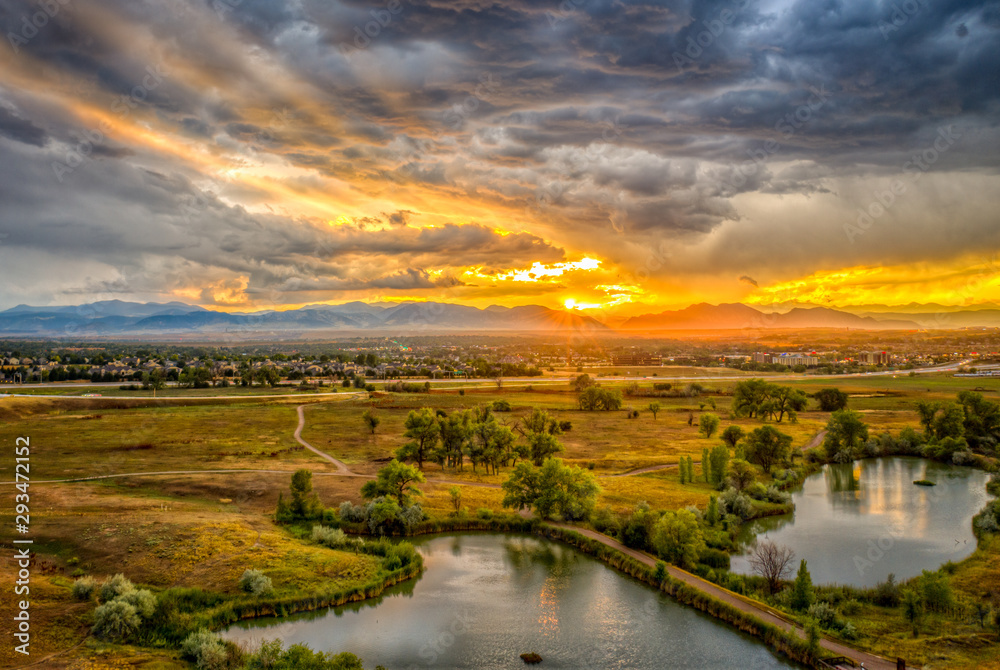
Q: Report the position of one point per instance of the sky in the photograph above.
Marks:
(609, 156)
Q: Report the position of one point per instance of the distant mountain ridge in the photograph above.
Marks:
(117, 318)
(738, 316)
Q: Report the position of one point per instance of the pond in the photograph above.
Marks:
(855, 523)
(484, 599)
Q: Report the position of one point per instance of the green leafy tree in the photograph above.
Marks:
(706, 465)
(719, 459)
(846, 431)
(708, 424)
(371, 419)
(653, 408)
(677, 537)
(304, 503)
(424, 432)
(456, 433)
(551, 489)
(749, 396)
(712, 513)
(397, 480)
(741, 474)
(802, 589)
(766, 447)
(913, 610)
(540, 433)
(456, 498)
(784, 400)
(731, 435)
(598, 398)
(831, 399)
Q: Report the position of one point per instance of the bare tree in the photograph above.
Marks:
(772, 562)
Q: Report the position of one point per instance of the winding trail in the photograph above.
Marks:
(759, 610)
(341, 466)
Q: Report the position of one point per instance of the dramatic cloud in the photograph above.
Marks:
(262, 153)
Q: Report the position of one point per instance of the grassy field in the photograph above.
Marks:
(205, 529)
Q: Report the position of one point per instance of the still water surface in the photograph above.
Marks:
(484, 599)
(854, 523)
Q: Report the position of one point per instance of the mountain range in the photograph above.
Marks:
(115, 318)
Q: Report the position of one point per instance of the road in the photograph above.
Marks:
(950, 367)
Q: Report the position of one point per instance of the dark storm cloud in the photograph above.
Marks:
(609, 122)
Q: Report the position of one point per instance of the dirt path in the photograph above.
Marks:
(762, 612)
(341, 466)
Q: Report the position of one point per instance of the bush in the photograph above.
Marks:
(936, 591)
(142, 600)
(256, 582)
(115, 620)
(848, 631)
(736, 503)
(205, 649)
(850, 607)
(84, 588)
(329, 537)
(887, 593)
(353, 513)
(115, 586)
(484, 513)
(823, 613)
(757, 491)
(500, 406)
(776, 495)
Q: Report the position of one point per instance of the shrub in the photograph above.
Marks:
(352, 513)
(115, 620)
(329, 537)
(411, 516)
(757, 491)
(736, 503)
(115, 586)
(776, 495)
(501, 405)
(484, 513)
(887, 593)
(848, 631)
(205, 649)
(256, 582)
(142, 600)
(823, 613)
(850, 607)
(84, 588)
(936, 591)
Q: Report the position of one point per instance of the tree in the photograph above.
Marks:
(305, 503)
(456, 498)
(423, 428)
(551, 489)
(802, 589)
(731, 435)
(395, 479)
(371, 419)
(540, 432)
(949, 422)
(708, 424)
(845, 433)
(653, 407)
(706, 465)
(766, 446)
(719, 459)
(581, 382)
(831, 400)
(741, 474)
(677, 537)
(598, 398)
(982, 419)
(913, 609)
(784, 400)
(712, 513)
(456, 434)
(772, 562)
(684, 470)
(749, 395)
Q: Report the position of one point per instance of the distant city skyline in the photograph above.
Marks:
(615, 158)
